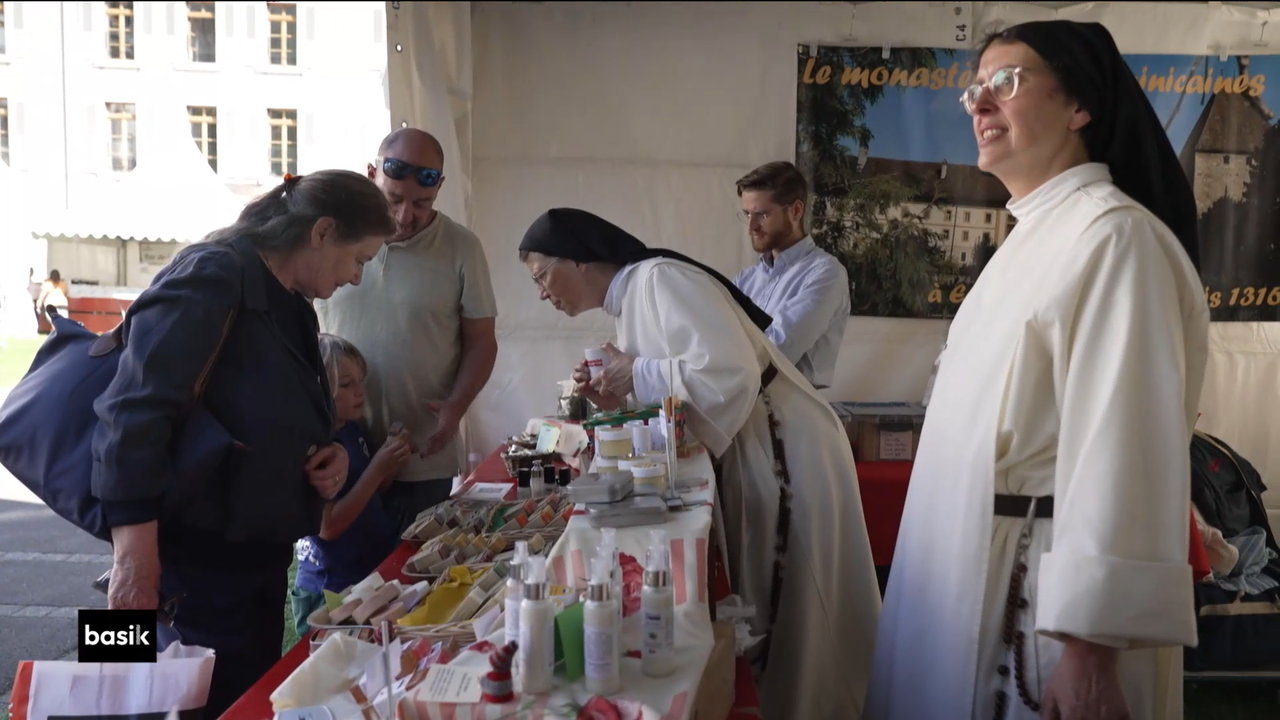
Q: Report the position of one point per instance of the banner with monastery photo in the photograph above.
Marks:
(898, 197)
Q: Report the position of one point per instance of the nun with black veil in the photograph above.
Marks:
(797, 540)
(1041, 567)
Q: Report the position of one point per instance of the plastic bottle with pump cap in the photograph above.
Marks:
(609, 548)
(537, 650)
(600, 630)
(657, 610)
(515, 592)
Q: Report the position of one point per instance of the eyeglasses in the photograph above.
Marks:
(540, 278)
(758, 216)
(1003, 85)
(399, 170)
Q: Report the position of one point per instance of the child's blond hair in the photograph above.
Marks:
(332, 350)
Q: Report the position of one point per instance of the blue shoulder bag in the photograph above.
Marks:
(47, 423)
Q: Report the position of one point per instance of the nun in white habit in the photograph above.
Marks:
(1041, 567)
(797, 542)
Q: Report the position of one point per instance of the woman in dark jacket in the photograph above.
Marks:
(220, 553)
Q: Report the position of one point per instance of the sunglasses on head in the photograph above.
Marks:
(399, 170)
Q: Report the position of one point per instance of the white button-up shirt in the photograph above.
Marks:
(806, 290)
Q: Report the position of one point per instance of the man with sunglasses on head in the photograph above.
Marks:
(423, 316)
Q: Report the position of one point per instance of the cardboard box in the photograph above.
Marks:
(882, 431)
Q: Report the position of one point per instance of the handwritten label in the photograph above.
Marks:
(452, 684)
(492, 492)
(895, 445)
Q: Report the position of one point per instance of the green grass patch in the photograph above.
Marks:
(15, 358)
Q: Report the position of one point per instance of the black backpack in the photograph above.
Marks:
(1237, 631)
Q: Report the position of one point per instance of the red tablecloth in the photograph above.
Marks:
(883, 487)
(256, 704)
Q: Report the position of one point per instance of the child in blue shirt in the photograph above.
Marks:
(357, 533)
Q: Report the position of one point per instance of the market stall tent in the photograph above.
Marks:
(647, 113)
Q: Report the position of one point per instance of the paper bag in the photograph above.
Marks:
(717, 689)
(177, 682)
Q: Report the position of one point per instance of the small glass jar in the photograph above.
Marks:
(651, 475)
(605, 465)
(614, 442)
(630, 461)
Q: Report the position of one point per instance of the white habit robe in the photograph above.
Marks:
(1072, 369)
(675, 317)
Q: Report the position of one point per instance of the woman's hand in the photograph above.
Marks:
(327, 470)
(392, 456)
(135, 570)
(1085, 685)
(583, 384)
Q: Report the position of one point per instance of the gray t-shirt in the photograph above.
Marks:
(406, 319)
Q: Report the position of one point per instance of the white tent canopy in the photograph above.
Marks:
(648, 112)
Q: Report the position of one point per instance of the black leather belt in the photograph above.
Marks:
(1016, 506)
(768, 375)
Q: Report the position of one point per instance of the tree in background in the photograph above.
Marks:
(893, 262)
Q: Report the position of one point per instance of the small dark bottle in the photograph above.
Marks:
(523, 491)
(566, 477)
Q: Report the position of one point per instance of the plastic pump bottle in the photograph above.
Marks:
(537, 651)
(609, 548)
(600, 631)
(515, 591)
(657, 610)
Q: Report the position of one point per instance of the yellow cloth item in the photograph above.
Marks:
(441, 602)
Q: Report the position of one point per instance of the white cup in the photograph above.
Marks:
(595, 361)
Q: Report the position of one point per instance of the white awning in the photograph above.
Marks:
(172, 195)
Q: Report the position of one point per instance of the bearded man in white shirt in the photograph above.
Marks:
(803, 287)
(1041, 567)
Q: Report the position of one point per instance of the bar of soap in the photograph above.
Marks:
(375, 604)
(391, 614)
(344, 611)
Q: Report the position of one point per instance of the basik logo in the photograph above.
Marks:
(112, 636)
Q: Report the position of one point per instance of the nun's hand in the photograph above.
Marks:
(615, 380)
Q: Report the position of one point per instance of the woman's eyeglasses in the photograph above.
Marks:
(1003, 85)
(399, 170)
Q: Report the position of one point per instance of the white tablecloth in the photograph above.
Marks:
(670, 698)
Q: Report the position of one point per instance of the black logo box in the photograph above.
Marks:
(117, 636)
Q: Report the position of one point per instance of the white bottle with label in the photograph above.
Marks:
(515, 592)
(537, 653)
(600, 631)
(657, 611)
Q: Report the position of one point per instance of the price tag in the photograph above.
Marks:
(548, 438)
(961, 16)
(452, 684)
(488, 491)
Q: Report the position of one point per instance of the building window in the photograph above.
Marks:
(1226, 159)
(946, 234)
(4, 130)
(986, 237)
(284, 33)
(204, 130)
(946, 215)
(120, 30)
(284, 141)
(966, 216)
(963, 258)
(964, 236)
(2, 51)
(124, 136)
(987, 220)
(201, 34)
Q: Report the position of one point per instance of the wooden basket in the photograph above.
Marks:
(515, 462)
(464, 633)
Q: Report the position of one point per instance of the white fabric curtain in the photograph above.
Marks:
(429, 87)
